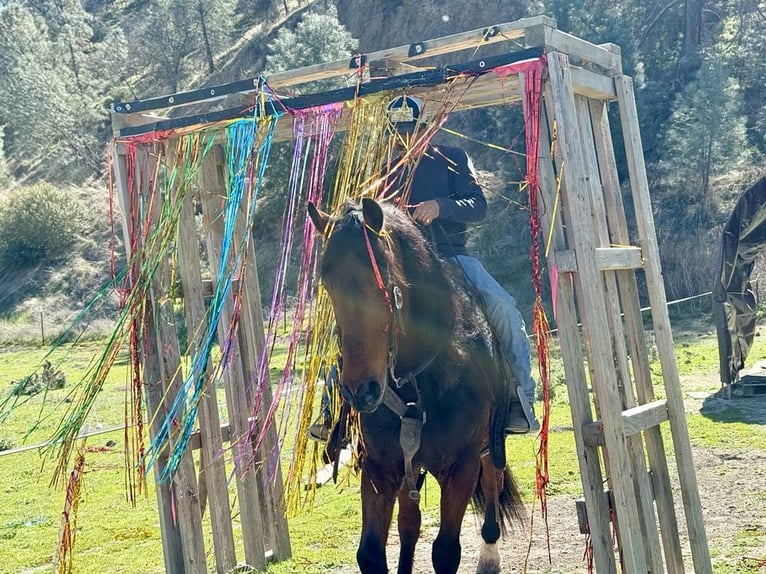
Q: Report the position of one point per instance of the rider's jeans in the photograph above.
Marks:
(505, 319)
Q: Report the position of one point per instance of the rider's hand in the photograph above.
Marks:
(426, 212)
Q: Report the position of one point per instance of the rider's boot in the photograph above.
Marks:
(521, 419)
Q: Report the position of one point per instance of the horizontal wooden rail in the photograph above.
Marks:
(607, 259)
(634, 420)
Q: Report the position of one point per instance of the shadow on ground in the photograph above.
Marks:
(738, 408)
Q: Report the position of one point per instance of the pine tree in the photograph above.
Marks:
(317, 38)
(55, 71)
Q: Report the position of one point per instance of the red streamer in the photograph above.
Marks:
(540, 328)
(64, 551)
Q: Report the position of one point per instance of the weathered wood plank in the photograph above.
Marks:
(186, 501)
(571, 350)
(592, 85)
(415, 51)
(581, 51)
(172, 547)
(637, 346)
(642, 417)
(662, 330)
(211, 190)
(636, 419)
(209, 436)
(607, 259)
(593, 314)
(252, 342)
(635, 448)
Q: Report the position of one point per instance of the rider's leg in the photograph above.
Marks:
(507, 323)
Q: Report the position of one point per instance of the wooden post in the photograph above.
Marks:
(186, 496)
(642, 485)
(661, 321)
(252, 342)
(212, 471)
(172, 547)
(637, 348)
(569, 339)
(212, 192)
(592, 309)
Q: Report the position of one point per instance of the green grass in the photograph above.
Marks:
(111, 533)
(744, 554)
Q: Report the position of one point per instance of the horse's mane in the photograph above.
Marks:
(441, 303)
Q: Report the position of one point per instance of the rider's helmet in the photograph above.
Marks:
(405, 113)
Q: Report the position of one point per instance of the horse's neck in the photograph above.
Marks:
(427, 328)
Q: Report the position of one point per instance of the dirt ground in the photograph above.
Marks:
(732, 485)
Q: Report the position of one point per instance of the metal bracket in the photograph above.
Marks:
(490, 32)
(417, 49)
(357, 61)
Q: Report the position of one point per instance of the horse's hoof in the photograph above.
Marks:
(489, 560)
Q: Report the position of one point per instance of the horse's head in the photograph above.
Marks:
(357, 270)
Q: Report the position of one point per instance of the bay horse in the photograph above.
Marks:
(421, 369)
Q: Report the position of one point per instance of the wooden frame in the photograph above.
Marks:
(618, 422)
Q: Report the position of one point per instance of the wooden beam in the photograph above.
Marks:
(607, 259)
(662, 329)
(644, 417)
(641, 484)
(635, 420)
(636, 339)
(186, 501)
(581, 51)
(212, 473)
(195, 440)
(593, 313)
(592, 85)
(571, 350)
(424, 80)
(538, 31)
(210, 185)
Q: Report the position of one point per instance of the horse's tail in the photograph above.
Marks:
(511, 507)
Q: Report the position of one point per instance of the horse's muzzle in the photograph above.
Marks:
(367, 397)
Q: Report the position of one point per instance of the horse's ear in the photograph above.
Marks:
(318, 218)
(373, 214)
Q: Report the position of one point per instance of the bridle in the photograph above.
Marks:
(411, 414)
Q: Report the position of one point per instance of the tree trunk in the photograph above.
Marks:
(205, 37)
(706, 167)
(690, 59)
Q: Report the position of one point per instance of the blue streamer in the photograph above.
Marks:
(240, 140)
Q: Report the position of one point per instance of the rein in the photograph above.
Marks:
(411, 414)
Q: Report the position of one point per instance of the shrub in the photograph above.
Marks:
(39, 224)
(50, 379)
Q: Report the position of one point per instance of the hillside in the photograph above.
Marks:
(699, 94)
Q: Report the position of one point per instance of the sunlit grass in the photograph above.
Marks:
(324, 535)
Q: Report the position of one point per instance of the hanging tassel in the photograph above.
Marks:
(64, 552)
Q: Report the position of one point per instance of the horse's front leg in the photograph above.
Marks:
(456, 490)
(378, 494)
(409, 527)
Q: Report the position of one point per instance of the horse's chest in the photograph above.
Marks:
(445, 436)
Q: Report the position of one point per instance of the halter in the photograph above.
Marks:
(411, 414)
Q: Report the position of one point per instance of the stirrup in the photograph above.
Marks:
(319, 431)
(521, 419)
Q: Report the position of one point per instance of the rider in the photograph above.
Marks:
(444, 195)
